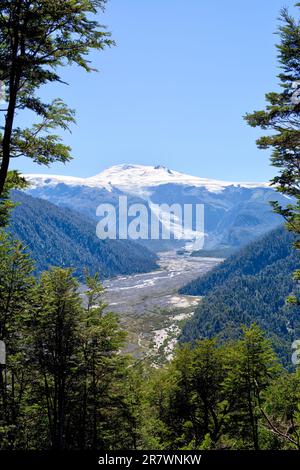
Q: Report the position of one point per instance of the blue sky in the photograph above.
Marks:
(174, 90)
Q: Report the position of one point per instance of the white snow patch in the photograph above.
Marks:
(130, 177)
(137, 180)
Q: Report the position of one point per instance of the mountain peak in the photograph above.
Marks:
(138, 179)
(133, 177)
(162, 167)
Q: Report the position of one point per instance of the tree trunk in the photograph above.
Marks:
(14, 84)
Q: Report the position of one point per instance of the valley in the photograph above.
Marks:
(149, 306)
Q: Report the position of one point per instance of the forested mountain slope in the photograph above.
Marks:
(251, 259)
(250, 286)
(62, 237)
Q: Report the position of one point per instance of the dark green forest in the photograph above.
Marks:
(66, 386)
(58, 236)
(250, 286)
(248, 261)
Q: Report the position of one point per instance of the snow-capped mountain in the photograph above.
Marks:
(235, 212)
(134, 178)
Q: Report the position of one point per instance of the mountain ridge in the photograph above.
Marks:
(62, 237)
(235, 213)
(250, 286)
(127, 176)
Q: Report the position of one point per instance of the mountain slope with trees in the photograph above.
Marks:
(250, 260)
(62, 237)
(250, 286)
(67, 387)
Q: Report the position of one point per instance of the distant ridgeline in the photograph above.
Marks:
(250, 286)
(234, 213)
(58, 236)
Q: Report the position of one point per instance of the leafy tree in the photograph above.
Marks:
(160, 423)
(16, 284)
(219, 397)
(185, 402)
(281, 116)
(79, 395)
(252, 365)
(101, 370)
(208, 372)
(37, 37)
(281, 410)
(55, 329)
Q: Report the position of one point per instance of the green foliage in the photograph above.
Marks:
(214, 253)
(61, 237)
(251, 286)
(251, 367)
(64, 383)
(55, 325)
(37, 38)
(281, 410)
(248, 261)
(16, 283)
(222, 397)
(13, 181)
(281, 116)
